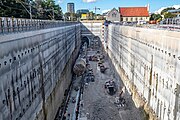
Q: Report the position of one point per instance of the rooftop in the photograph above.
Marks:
(174, 11)
(134, 11)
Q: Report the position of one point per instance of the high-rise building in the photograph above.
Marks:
(70, 7)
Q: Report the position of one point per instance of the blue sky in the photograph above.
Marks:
(109, 4)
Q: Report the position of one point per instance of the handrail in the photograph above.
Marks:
(13, 25)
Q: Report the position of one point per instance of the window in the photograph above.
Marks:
(114, 15)
(126, 19)
(136, 19)
(131, 19)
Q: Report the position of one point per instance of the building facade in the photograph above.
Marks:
(134, 14)
(70, 8)
(84, 16)
(88, 16)
(82, 11)
(175, 12)
(113, 15)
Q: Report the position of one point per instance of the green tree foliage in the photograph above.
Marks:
(41, 9)
(169, 15)
(70, 16)
(50, 9)
(155, 17)
(166, 9)
(11, 8)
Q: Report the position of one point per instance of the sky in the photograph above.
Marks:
(105, 5)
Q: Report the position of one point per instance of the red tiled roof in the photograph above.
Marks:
(133, 11)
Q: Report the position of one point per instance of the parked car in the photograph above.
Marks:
(141, 22)
(152, 22)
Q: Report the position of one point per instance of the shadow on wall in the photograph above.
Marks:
(85, 39)
(91, 30)
(97, 40)
(93, 39)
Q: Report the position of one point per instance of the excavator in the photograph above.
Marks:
(110, 86)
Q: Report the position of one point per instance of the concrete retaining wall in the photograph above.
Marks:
(91, 29)
(35, 70)
(148, 61)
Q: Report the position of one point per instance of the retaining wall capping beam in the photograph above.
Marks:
(14, 25)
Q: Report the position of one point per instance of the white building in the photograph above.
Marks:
(113, 15)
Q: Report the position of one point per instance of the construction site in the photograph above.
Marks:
(88, 70)
(97, 92)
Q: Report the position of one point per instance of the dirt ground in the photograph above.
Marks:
(97, 104)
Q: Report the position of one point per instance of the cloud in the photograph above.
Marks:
(162, 8)
(104, 11)
(89, 1)
(176, 6)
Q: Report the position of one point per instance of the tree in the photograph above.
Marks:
(50, 10)
(70, 16)
(91, 15)
(155, 17)
(41, 9)
(67, 16)
(13, 8)
(169, 15)
(166, 9)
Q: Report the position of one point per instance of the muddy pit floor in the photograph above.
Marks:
(97, 104)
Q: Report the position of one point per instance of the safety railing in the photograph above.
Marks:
(12, 25)
(171, 26)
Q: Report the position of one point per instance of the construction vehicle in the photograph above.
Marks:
(90, 76)
(93, 58)
(80, 66)
(110, 86)
(100, 63)
(102, 68)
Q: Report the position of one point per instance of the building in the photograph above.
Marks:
(70, 8)
(84, 16)
(134, 14)
(113, 15)
(88, 16)
(175, 12)
(173, 20)
(82, 11)
(105, 15)
(99, 17)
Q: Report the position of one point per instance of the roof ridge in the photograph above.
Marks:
(132, 7)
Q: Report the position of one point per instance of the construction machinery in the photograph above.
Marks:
(80, 66)
(102, 68)
(110, 86)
